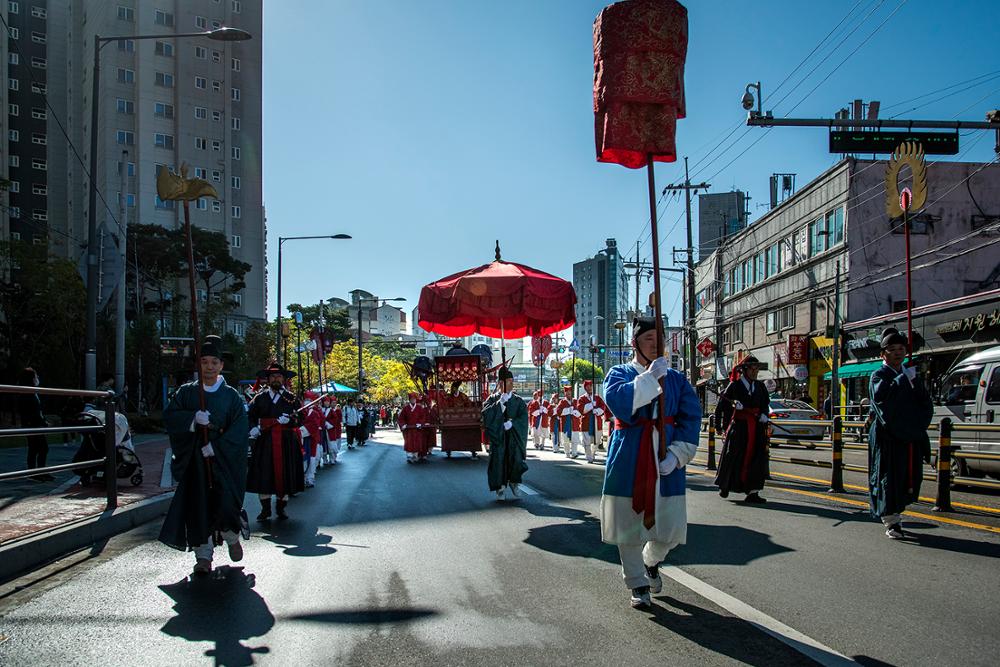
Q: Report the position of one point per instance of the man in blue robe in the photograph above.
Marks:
(898, 444)
(643, 507)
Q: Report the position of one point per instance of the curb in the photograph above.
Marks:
(32, 551)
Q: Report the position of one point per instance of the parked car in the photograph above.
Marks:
(786, 409)
(970, 394)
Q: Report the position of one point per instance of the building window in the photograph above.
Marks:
(39, 214)
(15, 186)
(129, 200)
(235, 123)
(236, 241)
(236, 211)
(13, 7)
(201, 113)
(238, 329)
(216, 206)
(40, 63)
(236, 94)
(164, 79)
(163, 18)
(237, 6)
(126, 45)
(200, 52)
(163, 140)
(14, 33)
(236, 64)
(38, 88)
(14, 160)
(167, 205)
(39, 139)
(200, 172)
(216, 25)
(38, 37)
(126, 13)
(125, 138)
(216, 56)
(216, 86)
(39, 189)
(201, 204)
(200, 143)
(125, 106)
(165, 49)
(236, 152)
(216, 175)
(129, 167)
(15, 236)
(39, 114)
(15, 211)
(163, 110)
(39, 164)
(235, 182)
(217, 146)
(13, 58)
(14, 109)
(126, 75)
(835, 226)
(200, 82)
(13, 84)
(38, 12)
(817, 237)
(13, 135)
(200, 22)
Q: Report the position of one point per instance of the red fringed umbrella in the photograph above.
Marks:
(500, 300)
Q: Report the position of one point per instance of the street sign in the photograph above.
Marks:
(801, 373)
(706, 347)
(857, 141)
(574, 346)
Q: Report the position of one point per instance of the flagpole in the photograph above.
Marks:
(655, 240)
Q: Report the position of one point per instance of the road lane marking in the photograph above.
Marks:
(166, 476)
(527, 489)
(805, 645)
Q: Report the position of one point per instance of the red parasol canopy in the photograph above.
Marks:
(639, 51)
(500, 300)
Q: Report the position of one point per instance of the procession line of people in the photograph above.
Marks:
(575, 425)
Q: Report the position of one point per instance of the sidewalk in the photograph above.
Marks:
(40, 520)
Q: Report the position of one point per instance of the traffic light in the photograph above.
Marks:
(600, 350)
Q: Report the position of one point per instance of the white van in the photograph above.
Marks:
(970, 394)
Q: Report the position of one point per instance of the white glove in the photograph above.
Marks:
(764, 419)
(588, 407)
(576, 413)
(567, 411)
(536, 413)
(598, 411)
(910, 372)
(504, 398)
(420, 425)
(659, 367)
(508, 425)
(283, 419)
(207, 451)
(254, 432)
(303, 431)
(201, 417)
(737, 405)
(669, 464)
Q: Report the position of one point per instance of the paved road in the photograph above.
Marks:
(384, 563)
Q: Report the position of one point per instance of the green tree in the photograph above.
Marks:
(584, 371)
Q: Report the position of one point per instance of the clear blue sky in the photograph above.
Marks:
(428, 129)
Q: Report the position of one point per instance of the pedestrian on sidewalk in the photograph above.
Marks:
(505, 421)
(29, 410)
(742, 414)
(351, 420)
(276, 453)
(898, 445)
(207, 507)
(643, 505)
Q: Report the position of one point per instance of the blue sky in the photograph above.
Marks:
(428, 129)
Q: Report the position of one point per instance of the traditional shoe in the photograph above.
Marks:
(515, 490)
(280, 507)
(640, 598)
(310, 485)
(655, 581)
(202, 567)
(235, 552)
(409, 460)
(754, 499)
(265, 510)
(500, 495)
(895, 532)
(723, 494)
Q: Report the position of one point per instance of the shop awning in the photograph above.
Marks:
(855, 370)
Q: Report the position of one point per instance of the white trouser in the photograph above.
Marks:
(635, 559)
(891, 519)
(575, 442)
(589, 446)
(540, 435)
(204, 552)
(334, 449)
(311, 469)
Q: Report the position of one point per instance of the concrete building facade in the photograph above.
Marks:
(601, 286)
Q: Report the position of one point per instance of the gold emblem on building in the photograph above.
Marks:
(910, 154)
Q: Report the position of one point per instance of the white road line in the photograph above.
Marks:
(527, 489)
(166, 479)
(807, 646)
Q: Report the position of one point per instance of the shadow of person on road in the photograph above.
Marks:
(222, 608)
(725, 635)
(301, 540)
(581, 538)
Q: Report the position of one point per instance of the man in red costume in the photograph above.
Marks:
(430, 426)
(411, 421)
(535, 413)
(554, 421)
(568, 427)
(592, 420)
(312, 425)
(331, 428)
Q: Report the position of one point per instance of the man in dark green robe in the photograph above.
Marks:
(898, 444)
(505, 419)
(211, 478)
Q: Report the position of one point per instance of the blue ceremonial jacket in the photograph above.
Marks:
(681, 402)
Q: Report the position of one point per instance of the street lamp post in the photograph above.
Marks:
(280, 349)
(593, 348)
(90, 355)
(621, 334)
(361, 371)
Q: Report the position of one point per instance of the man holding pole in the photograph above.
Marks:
(742, 414)
(276, 456)
(211, 472)
(505, 420)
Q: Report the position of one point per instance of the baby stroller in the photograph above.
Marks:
(127, 463)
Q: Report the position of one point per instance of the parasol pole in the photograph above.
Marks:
(661, 452)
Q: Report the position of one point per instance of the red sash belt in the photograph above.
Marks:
(750, 416)
(646, 472)
(276, 431)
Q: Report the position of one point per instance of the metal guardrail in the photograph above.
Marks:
(109, 460)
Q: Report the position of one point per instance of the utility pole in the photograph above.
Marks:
(687, 187)
(835, 371)
(120, 300)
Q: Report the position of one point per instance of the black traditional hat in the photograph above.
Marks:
(212, 347)
(275, 367)
(641, 325)
(505, 374)
(891, 336)
(750, 360)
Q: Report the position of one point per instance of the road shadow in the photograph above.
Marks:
(369, 616)
(298, 539)
(224, 609)
(725, 635)
(954, 544)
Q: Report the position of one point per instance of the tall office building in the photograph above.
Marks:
(720, 215)
(602, 299)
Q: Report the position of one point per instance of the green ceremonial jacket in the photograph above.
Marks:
(508, 449)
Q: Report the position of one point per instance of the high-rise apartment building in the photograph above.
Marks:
(602, 299)
(166, 102)
(720, 215)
